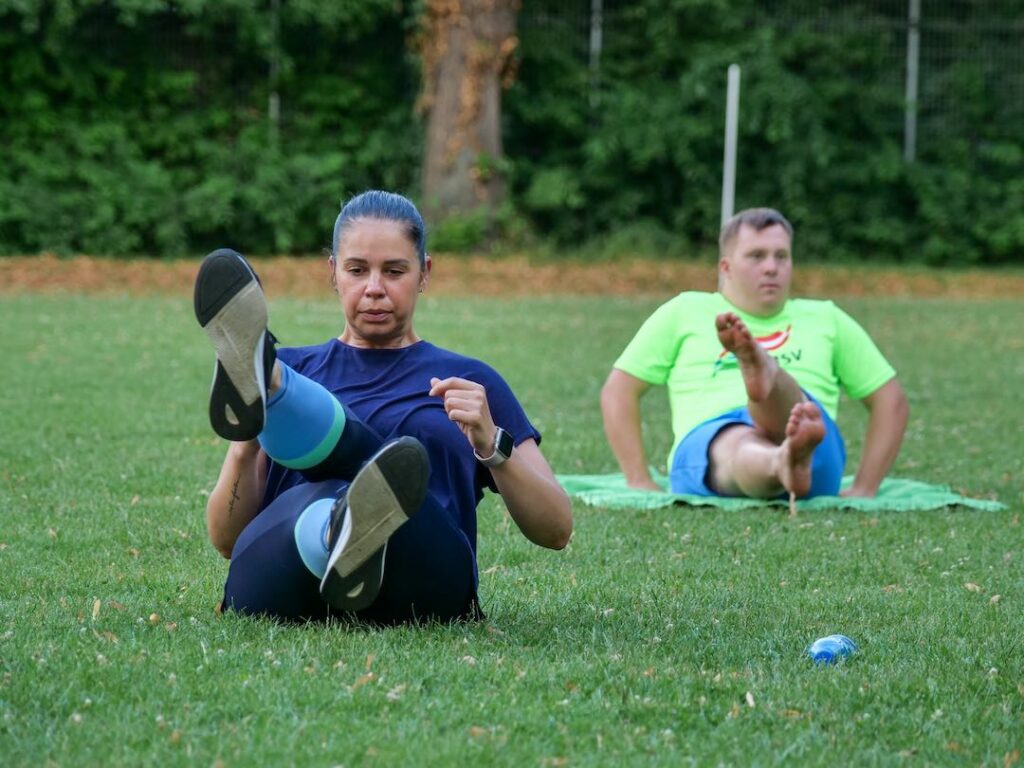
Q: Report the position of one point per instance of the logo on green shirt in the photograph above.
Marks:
(773, 341)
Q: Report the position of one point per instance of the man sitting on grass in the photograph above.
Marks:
(753, 381)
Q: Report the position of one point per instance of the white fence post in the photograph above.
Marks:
(596, 35)
(732, 113)
(913, 58)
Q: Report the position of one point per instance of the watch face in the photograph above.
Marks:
(505, 443)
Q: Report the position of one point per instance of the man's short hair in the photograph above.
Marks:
(757, 219)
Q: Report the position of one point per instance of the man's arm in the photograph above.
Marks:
(887, 422)
(620, 407)
(235, 499)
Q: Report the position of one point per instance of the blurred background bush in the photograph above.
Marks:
(149, 127)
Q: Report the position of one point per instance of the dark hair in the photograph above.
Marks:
(756, 218)
(390, 206)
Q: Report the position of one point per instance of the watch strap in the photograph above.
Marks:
(503, 444)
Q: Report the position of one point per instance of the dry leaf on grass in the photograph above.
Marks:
(363, 680)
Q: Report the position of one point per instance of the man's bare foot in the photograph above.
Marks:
(757, 366)
(804, 431)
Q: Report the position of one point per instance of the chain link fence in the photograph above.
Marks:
(969, 57)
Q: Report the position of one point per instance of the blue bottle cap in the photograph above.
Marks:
(830, 649)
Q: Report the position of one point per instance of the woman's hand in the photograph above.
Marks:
(465, 402)
(532, 495)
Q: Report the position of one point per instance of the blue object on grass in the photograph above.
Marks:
(829, 650)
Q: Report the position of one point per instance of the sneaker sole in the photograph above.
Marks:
(386, 492)
(231, 308)
(360, 588)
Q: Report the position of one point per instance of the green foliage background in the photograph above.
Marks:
(141, 126)
(820, 133)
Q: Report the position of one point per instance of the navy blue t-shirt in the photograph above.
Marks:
(388, 389)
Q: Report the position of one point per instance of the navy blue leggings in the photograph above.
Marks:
(429, 568)
(428, 571)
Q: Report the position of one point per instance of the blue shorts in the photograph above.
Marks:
(689, 471)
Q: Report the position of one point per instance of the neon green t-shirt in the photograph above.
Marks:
(818, 344)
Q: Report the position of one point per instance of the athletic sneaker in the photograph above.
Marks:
(382, 496)
(230, 305)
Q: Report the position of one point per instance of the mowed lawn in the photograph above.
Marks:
(672, 637)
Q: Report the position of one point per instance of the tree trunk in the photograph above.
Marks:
(466, 48)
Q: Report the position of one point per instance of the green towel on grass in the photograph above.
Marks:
(895, 495)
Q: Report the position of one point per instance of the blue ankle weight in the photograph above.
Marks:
(311, 536)
(304, 422)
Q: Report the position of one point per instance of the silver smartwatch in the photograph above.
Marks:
(503, 445)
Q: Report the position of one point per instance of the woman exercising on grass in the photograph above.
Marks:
(356, 466)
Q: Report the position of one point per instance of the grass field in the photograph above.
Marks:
(665, 638)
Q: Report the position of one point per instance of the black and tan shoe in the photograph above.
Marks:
(230, 306)
(384, 494)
